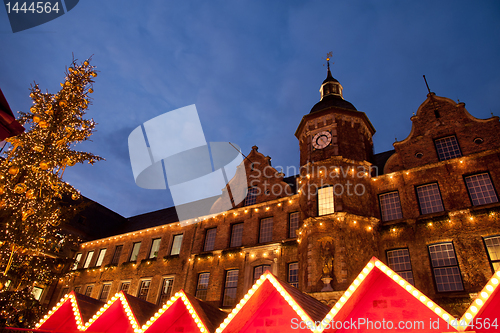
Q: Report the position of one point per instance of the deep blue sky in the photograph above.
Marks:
(253, 69)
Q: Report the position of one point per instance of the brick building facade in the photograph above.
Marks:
(428, 209)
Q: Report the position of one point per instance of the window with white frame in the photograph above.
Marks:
(64, 291)
(293, 224)
(88, 290)
(125, 286)
(447, 148)
(88, 259)
(135, 251)
(445, 267)
(100, 258)
(493, 249)
(266, 230)
(166, 290)
(390, 206)
(429, 198)
(325, 201)
(236, 234)
(230, 288)
(144, 289)
(399, 262)
(155, 248)
(78, 257)
(105, 292)
(481, 190)
(293, 274)
(251, 197)
(37, 293)
(176, 245)
(259, 270)
(202, 286)
(210, 239)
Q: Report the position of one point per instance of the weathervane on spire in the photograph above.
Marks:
(328, 57)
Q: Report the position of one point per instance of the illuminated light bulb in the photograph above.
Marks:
(383, 268)
(468, 316)
(422, 299)
(489, 288)
(351, 288)
(437, 310)
(356, 282)
(402, 282)
(361, 276)
(494, 280)
(369, 228)
(337, 305)
(342, 299)
(479, 302)
(370, 265)
(365, 270)
(484, 295)
(445, 316)
(430, 304)
(473, 309)
(355, 222)
(498, 273)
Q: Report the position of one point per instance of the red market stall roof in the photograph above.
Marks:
(379, 300)
(273, 306)
(377, 295)
(185, 313)
(123, 313)
(72, 311)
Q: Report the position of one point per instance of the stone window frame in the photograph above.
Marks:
(288, 275)
(399, 271)
(327, 210)
(117, 261)
(291, 231)
(160, 291)
(225, 288)
(97, 264)
(209, 241)
(466, 176)
(76, 289)
(254, 279)
(496, 261)
(78, 258)
(140, 288)
(261, 230)
(91, 286)
(198, 289)
(64, 291)
(172, 241)
(420, 201)
(151, 255)
(438, 148)
(132, 251)
(104, 285)
(88, 260)
(433, 268)
(125, 282)
(231, 234)
(380, 195)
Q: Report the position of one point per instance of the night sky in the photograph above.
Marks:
(253, 69)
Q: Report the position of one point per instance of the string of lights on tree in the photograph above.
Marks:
(34, 199)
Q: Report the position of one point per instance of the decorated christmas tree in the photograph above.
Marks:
(35, 202)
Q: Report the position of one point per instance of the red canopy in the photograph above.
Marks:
(8, 124)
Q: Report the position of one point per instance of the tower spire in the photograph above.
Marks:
(330, 86)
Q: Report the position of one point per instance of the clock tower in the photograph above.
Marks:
(334, 127)
(336, 157)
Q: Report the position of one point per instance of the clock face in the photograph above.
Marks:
(321, 140)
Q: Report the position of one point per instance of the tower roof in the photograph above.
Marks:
(329, 77)
(332, 101)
